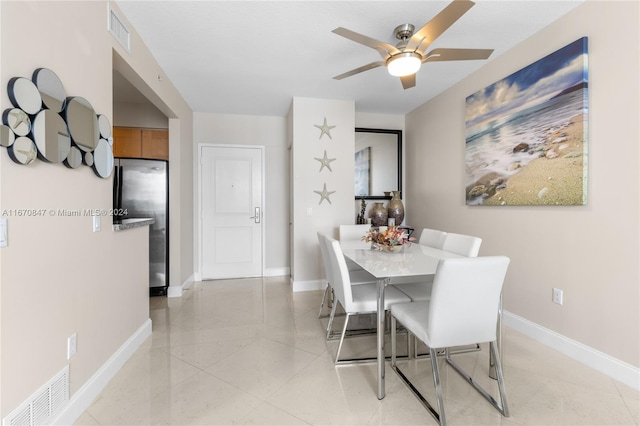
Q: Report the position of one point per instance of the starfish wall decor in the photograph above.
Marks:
(324, 194)
(325, 162)
(325, 129)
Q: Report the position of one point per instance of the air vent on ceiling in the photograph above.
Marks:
(119, 30)
(44, 405)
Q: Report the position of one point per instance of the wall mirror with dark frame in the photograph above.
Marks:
(378, 163)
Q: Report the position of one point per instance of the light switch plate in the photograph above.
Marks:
(3, 232)
(97, 225)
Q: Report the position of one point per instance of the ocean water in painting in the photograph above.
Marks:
(523, 110)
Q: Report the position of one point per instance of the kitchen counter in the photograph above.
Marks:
(132, 223)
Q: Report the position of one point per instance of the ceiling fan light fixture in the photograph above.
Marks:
(403, 64)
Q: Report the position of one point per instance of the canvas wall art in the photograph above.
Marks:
(526, 135)
(363, 172)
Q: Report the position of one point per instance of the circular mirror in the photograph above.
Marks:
(23, 151)
(50, 88)
(74, 159)
(87, 159)
(24, 94)
(82, 123)
(7, 137)
(17, 120)
(105, 126)
(103, 159)
(50, 136)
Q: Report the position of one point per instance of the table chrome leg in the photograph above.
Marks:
(492, 361)
(380, 330)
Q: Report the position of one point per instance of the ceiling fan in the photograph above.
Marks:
(404, 59)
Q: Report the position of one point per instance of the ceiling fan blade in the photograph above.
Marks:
(439, 55)
(358, 70)
(408, 81)
(433, 29)
(385, 49)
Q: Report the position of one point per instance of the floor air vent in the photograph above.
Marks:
(44, 405)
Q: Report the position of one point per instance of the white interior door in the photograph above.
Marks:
(231, 212)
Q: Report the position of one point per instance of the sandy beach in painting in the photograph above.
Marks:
(554, 178)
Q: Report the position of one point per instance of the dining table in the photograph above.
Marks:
(413, 262)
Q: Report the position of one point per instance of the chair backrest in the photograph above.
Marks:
(432, 238)
(336, 269)
(353, 232)
(465, 300)
(325, 255)
(464, 245)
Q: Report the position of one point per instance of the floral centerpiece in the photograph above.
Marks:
(391, 239)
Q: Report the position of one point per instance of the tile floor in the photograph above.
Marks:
(251, 352)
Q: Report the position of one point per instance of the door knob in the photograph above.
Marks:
(256, 216)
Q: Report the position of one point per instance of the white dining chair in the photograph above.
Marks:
(432, 238)
(465, 245)
(356, 273)
(463, 310)
(357, 299)
(353, 232)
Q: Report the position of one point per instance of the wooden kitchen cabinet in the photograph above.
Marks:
(155, 144)
(127, 142)
(130, 142)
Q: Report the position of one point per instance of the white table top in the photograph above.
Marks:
(413, 260)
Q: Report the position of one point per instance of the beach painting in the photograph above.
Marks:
(526, 135)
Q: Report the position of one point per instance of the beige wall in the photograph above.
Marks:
(58, 277)
(126, 114)
(591, 251)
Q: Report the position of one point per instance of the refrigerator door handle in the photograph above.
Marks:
(257, 215)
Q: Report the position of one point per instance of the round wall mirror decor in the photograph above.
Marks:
(23, 151)
(50, 88)
(74, 159)
(17, 120)
(82, 123)
(47, 124)
(50, 136)
(24, 94)
(7, 137)
(103, 159)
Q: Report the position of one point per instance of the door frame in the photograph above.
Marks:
(198, 209)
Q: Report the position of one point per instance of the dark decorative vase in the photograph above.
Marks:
(395, 208)
(378, 214)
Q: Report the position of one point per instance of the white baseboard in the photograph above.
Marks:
(606, 364)
(176, 290)
(277, 272)
(308, 285)
(197, 276)
(83, 397)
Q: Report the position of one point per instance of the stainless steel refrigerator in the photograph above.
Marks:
(141, 190)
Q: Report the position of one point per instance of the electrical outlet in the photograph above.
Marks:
(72, 345)
(557, 296)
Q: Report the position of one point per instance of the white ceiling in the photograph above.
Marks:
(253, 57)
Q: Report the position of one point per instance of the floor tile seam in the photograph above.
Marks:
(295, 375)
(280, 409)
(244, 391)
(209, 342)
(290, 346)
(87, 413)
(634, 412)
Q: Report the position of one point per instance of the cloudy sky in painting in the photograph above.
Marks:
(531, 85)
